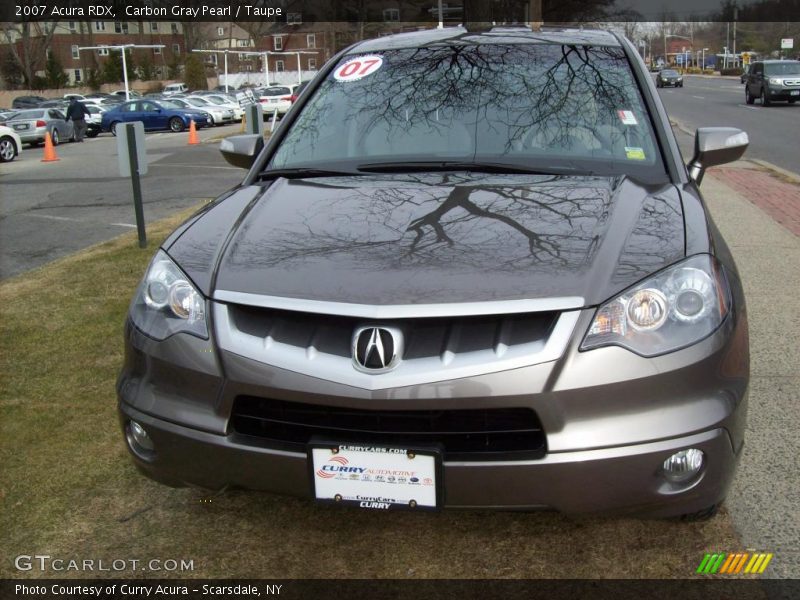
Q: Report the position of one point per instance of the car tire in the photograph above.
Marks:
(92, 134)
(8, 149)
(748, 97)
(792, 100)
(176, 125)
(764, 100)
(54, 137)
(681, 85)
(701, 515)
(113, 127)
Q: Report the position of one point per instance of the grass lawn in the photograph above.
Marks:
(69, 490)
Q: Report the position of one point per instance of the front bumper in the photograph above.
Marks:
(784, 94)
(611, 419)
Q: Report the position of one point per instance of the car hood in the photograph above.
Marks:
(434, 238)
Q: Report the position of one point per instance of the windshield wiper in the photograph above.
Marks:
(445, 165)
(303, 172)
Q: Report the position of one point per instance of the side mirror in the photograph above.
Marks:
(716, 146)
(241, 150)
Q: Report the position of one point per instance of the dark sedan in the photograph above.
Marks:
(469, 270)
(27, 101)
(155, 114)
(669, 78)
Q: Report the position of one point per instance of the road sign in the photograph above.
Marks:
(137, 130)
(787, 43)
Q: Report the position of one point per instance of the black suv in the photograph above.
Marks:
(773, 80)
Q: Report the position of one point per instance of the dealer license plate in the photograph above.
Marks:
(376, 477)
(21, 127)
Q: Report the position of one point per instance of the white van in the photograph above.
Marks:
(175, 88)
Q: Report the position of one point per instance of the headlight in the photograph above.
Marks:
(167, 303)
(671, 310)
(775, 81)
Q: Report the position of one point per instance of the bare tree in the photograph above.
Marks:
(28, 43)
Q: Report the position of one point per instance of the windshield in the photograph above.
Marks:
(539, 106)
(28, 114)
(214, 100)
(669, 73)
(276, 91)
(787, 68)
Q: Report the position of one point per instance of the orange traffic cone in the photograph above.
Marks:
(193, 137)
(49, 149)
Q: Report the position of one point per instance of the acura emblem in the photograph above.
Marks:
(377, 349)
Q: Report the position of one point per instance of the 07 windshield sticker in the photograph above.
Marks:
(627, 117)
(357, 68)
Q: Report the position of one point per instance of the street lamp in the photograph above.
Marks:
(225, 52)
(704, 59)
(122, 48)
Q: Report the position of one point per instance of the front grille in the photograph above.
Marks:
(424, 337)
(468, 434)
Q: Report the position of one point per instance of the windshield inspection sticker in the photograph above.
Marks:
(358, 68)
(634, 153)
(627, 117)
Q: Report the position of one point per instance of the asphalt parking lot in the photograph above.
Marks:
(50, 210)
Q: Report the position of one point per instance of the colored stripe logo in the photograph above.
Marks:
(721, 563)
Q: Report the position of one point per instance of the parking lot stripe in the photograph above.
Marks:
(71, 220)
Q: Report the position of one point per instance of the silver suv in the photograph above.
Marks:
(772, 81)
(469, 269)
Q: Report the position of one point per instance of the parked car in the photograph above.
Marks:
(669, 77)
(773, 80)
(468, 270)
(94, 122)
(277, 97)
(32, 124)
(296, 92)
(219, 114)
(155, 114)
(175, 88)
(58, 103)
(10, 144)
(121, 94)
(227, 102)
(6, 115)
(27, 101)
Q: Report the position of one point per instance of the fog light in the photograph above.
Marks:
(684, 465)
(139, 440)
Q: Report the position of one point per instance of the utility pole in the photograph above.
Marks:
(735, 16)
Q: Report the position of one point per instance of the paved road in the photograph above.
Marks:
(49, 210)
(717, 101)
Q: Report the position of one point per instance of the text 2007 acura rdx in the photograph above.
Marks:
(469, 269)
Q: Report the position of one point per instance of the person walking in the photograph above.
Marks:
(76, 111)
